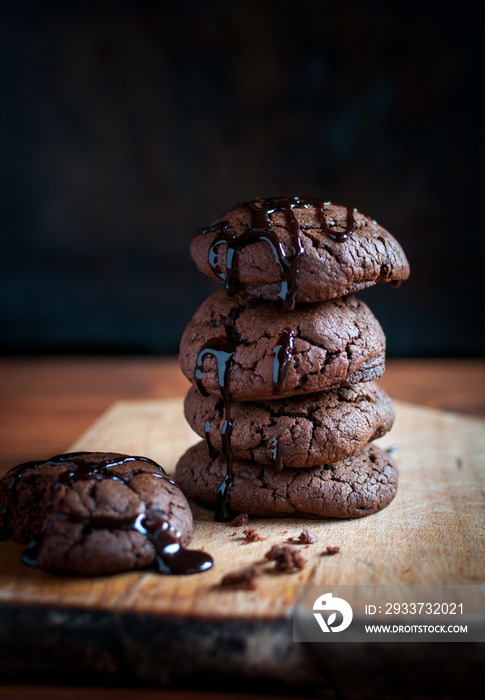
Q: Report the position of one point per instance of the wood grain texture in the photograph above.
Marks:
(432, 533)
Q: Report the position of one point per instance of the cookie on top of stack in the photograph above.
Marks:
(283, 362)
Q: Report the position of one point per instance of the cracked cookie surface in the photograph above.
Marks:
(327, 268)
(334, 343)
(351, 488)
(87, 521)
(301, 431)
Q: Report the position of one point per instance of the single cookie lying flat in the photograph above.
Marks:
(351, 488)
(271, 352)
(297, 249)
(95, 513)
(302, 431)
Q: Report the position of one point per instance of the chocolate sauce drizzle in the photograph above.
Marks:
(260, 231)
(213, 453)
(171, 557)
(222, 349)
(282, 355)
(334, 234)
(277, 453)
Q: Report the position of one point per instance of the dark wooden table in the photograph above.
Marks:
(46, 403)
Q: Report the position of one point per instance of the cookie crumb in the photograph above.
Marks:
(252, 535)
(245, 578)
(305, 537)
(239, 520)
(285, 558)
(330, 550)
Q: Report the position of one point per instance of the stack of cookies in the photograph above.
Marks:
(282, 363)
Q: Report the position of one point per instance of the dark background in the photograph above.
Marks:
(127, 125)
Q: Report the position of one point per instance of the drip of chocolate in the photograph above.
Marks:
(260, 231)
(277, 454)
(222, 349)
(282, 355)
(337, 235)
(213, 453)
(171, 557)
(223, 509)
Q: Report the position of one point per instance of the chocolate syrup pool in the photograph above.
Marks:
(170, 556)
(260, 231)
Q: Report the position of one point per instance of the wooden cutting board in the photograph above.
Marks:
(432, 533)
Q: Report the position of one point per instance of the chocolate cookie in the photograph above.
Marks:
(298, 249)
(260, 350)
(354, 487)
(98, 513)
(302, 431)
